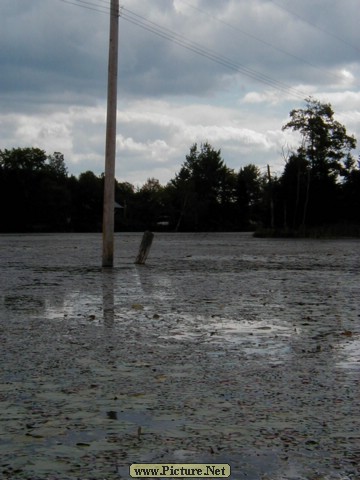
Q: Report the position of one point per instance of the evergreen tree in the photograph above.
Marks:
(202, 189)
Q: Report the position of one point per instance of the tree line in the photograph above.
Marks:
(319, 187)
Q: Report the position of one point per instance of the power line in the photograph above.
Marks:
(92, 6)
(260, 40)
(199, 49)
(194, 47)
(88, 5)
(317, 27)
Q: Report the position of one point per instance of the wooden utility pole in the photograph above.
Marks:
(110, 149)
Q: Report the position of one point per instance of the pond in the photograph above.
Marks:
(223, 348)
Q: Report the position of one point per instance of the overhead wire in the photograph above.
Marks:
(88, 5)
(199, 49)
(316, 26)
(260, 40)
(182, 41)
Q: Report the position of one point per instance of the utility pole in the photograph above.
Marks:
(110, 149)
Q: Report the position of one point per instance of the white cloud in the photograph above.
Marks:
(348, 77)
(53, 82)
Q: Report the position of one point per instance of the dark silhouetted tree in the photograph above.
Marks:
(149, 206)
(314, 170)
(202, 189)
(87, 202)
(248, 195)
(34, 193)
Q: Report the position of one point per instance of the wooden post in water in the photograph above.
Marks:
(110, 149)
(144, 249)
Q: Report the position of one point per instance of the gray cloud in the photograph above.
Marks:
(53, 64)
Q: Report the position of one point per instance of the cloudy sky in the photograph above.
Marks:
(223, 71)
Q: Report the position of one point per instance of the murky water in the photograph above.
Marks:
(222, 348)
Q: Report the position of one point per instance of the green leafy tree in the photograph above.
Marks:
(23, 159)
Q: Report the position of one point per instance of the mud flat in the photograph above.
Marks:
(221, 349)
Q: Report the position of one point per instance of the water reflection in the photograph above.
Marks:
(108, 281)
(155, 285)
(256, 354)
(274, 308)
(24, 303)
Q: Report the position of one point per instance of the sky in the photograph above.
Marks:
(226, 72)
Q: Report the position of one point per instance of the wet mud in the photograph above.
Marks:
(221, 349)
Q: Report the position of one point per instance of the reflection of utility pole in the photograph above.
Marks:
(108, 297)
(110, 149)
(271, 198)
